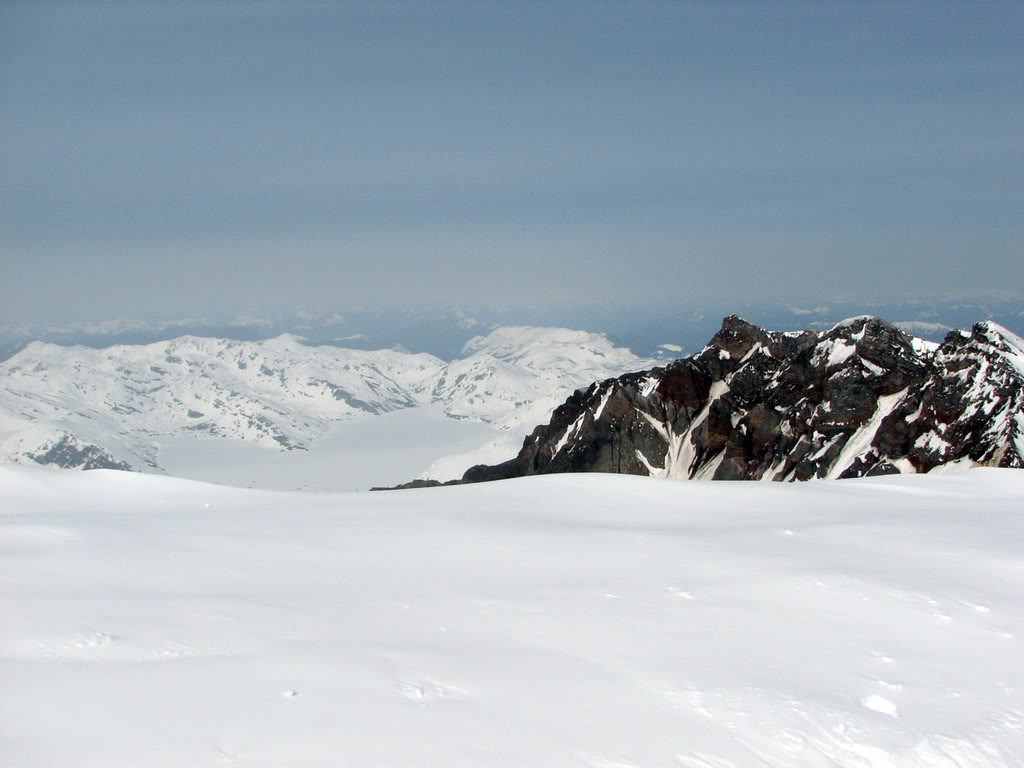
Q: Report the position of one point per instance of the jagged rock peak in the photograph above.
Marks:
(737, 336)
(863, 397)
(988, 332)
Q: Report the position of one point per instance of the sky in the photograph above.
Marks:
(173, 159)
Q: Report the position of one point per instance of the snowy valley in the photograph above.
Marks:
(210, 408)
(577, 619)
(497, 384)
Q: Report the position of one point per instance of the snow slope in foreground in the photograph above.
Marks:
(576, 620)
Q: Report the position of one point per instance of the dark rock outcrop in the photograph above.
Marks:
(863, 398)
(71, 453)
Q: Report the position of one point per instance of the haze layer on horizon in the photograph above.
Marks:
(190, 158)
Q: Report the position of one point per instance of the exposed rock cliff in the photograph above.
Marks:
(863, 398)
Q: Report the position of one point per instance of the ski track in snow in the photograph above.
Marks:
(575, 620)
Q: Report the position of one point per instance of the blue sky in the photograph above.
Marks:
(183, 158)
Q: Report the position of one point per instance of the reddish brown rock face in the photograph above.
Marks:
(863, 398)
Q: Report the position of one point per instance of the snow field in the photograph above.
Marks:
(574, 620)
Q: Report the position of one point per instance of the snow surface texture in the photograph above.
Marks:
(569, 620)
(128, 405)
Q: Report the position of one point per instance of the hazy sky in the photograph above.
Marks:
(181, 158)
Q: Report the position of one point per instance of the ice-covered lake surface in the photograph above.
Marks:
(575, 620)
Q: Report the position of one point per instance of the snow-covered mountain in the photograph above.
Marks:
(516, 375)
(861, 398)
(112, 407)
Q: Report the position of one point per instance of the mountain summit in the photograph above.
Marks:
(863, 398)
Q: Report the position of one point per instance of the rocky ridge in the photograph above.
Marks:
(863, 398)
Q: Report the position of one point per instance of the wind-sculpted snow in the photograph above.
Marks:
(570, 620)
(114, 407)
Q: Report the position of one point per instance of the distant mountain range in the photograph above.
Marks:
(79, 407)
(861, 398)
(649, 331)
